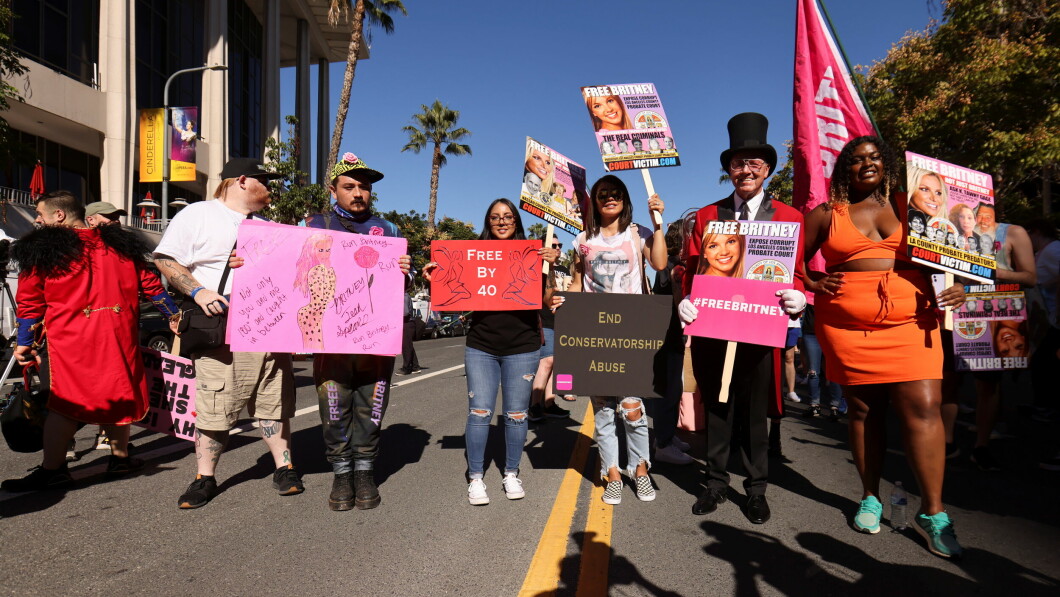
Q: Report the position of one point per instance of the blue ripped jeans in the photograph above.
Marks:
(604, 410)
(815, 377)
(514, 374)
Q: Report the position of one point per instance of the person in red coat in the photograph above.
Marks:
(754, 390)
(79, 292)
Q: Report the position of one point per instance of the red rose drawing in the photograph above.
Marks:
(376, 231)
(366, 257)
(583, 249)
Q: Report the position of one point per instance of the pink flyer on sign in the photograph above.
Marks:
(313, 290)
(171, 391)
(739, 310)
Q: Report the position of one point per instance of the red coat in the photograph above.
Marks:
(91, 312)
(770, 211)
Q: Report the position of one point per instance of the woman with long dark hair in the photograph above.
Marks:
(877, 322)
(501, 351)
(610, 256)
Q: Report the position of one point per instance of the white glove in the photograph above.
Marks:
(792, 301)
(688, 312)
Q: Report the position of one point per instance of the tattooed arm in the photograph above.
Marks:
(182, 280)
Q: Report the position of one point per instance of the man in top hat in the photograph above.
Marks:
(755, 386)
(102, 212)
(353, 389)
(193, 256)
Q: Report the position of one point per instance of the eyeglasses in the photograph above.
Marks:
(556, 246)
(606, 194)
(508, 219)
(754, 165)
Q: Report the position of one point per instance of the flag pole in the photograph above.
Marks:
(846, 61)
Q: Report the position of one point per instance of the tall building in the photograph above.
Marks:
(92, 65)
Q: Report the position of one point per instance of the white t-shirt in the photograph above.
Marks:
(200, 237)
(613, 263)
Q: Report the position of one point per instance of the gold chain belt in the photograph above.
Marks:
(88, 311)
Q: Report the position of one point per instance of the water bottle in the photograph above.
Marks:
(899, 500)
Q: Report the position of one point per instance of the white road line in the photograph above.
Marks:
(187, 445)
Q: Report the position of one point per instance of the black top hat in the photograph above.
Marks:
(248, 167)
(748, 131)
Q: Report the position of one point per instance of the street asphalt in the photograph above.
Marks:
(127, 537)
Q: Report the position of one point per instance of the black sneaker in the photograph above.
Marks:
(285, 480)
(201, 491)
(984, 459)
(536, 413)
(39, 479)
(815, 411)
(119, 467)
(400, 372)
(555, 411)
(341, 497)
(365, 490)
(833, 415)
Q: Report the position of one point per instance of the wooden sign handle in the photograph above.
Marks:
(726, 372)
(656, 216)
(550, 233)
(947, 318)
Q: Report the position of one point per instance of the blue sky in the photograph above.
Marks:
(514, 69)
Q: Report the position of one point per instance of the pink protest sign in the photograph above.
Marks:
(742, 265)
(171, 391)
(739, 310)
(631, 127)
(486, 275)
(313, 290)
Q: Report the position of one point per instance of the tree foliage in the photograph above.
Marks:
(437, 128)
(292, 197)
(10, 66)
(413, 226)
(979, 89)
(375, 12)
(780, 186)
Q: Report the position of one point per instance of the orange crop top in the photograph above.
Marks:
(846, 243)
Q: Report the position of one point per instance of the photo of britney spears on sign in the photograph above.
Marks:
(944, 204)
(742, 266)
(553, 187)
(631, 127)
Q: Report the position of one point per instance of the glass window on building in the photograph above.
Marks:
(169, 37)
(64, 168)
(61, 34)
(245, 47)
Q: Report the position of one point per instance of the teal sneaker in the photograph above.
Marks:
(867, 520)
(937, 530)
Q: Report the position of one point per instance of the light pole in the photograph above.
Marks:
(165, 144)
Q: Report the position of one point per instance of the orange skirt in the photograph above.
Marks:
(880, 327)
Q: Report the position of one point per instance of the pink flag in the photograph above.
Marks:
(828, 110)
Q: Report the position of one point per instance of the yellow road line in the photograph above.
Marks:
(596, 547)
(543, 576)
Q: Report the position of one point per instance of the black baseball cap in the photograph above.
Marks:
(248, 167)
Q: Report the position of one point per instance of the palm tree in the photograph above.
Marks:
(436, 124)
(376, 11)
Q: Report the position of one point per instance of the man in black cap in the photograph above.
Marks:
(353, 389)
(193, 255)
(755, 386)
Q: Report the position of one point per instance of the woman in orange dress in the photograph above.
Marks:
(877, 324)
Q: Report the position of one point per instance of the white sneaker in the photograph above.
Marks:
(672, 454)
(476, 493)
(681, 444)
(513, 487)
(793, 397)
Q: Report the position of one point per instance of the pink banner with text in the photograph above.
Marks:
(313, 290)
(171, 391)
(739, 310)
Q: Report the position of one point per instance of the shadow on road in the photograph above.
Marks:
(597, 570)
